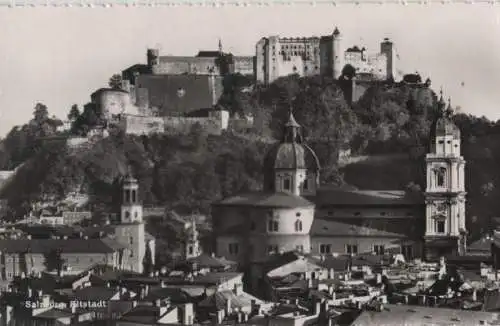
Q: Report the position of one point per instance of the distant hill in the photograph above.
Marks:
(189, 172)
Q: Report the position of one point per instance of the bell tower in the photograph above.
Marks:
(192, 243)
(445, 193)
(130, 232)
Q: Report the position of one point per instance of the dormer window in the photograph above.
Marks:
(306, 184)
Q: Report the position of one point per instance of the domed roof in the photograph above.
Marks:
(291, 153)
(444, 125)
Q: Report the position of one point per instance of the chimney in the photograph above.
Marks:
(474, 295)
(228, 307)
(187, 314)
(73, 308)
(30, 293)
(317, 307)
(331, 273)
(162, 283)
(142, 294)
(40, 293)
(146, 290)
(330, 290)
(219, 317)
(123, 290)
(238, 289)
(157, 303)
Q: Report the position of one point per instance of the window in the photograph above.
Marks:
(233, 248)
(407, 251)
(252, 226)
(9, 275)
(441, 142)
(298, 225)
(440, 226)
(306, 184)
(134, 196)
(127, 214)
(299, 248)
(127, 196)
(351, 249)
(325, 249)
(273, 226)
(287, 184)
(131, 240)
(378, 249)
(190, 250)
(272, 249)
(440, 176)
(382, 213)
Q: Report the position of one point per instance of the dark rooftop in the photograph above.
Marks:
(344, 197)
(266, 199)
(42, 246)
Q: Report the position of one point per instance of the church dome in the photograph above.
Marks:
(446, 127)
(291, 153)
(292, 156)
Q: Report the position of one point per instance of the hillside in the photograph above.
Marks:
(188, 172)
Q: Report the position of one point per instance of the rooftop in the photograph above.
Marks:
(329, 196)
(266, 199)
(397, 315)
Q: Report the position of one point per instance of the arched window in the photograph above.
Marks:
(298, 225)
(127, 196)
(440, 176)
(127, 214)
(134, 196)
(273, 226)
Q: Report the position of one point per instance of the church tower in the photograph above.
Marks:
(291, 166)
(445, 194)
(129, 231)
(192, 246)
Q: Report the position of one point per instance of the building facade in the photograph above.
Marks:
(295, 213)
(326, 55)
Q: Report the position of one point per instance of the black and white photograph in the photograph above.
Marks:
(249, 163)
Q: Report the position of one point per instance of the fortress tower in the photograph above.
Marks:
(445, 194)
(153, 57)
(130, 230)
(337, 54)
(387, 48)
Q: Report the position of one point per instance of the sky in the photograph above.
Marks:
(59, 56)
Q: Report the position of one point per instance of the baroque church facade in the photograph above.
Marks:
(293, 212)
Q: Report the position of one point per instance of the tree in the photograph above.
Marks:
(115, 81)
(148, 261)
(348, 72)
(74, 113)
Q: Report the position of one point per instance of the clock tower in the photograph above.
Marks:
(445, 193)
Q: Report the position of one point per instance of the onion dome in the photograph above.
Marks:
(444, 125)
(291, 152)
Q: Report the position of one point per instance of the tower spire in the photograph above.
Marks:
(291, 132)
(220, 46)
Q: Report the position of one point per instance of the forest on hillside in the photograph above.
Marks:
(187, 173)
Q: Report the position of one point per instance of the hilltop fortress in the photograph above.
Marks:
(326, 55)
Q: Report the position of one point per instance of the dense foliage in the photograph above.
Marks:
(187, 173)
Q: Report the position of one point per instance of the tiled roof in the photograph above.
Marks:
(176, 295)
(340, 197)
(143, 315)
(46, 245)
(208, 261)
(266, 199)
(395, 315)
(54, 314)
(218, 300)
(181, 94)
(325, 228)
(481, 245)
(94, 293)
(300, 265)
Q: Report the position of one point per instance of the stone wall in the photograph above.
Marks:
(244, 65)
(144, 125)
(174, 65)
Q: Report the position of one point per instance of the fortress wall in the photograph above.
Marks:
(183, 65)
(183, 125)
(240, 124)
(244, 65)
(142, 125)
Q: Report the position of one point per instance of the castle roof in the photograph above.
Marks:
(266, 199)
(181, 94)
